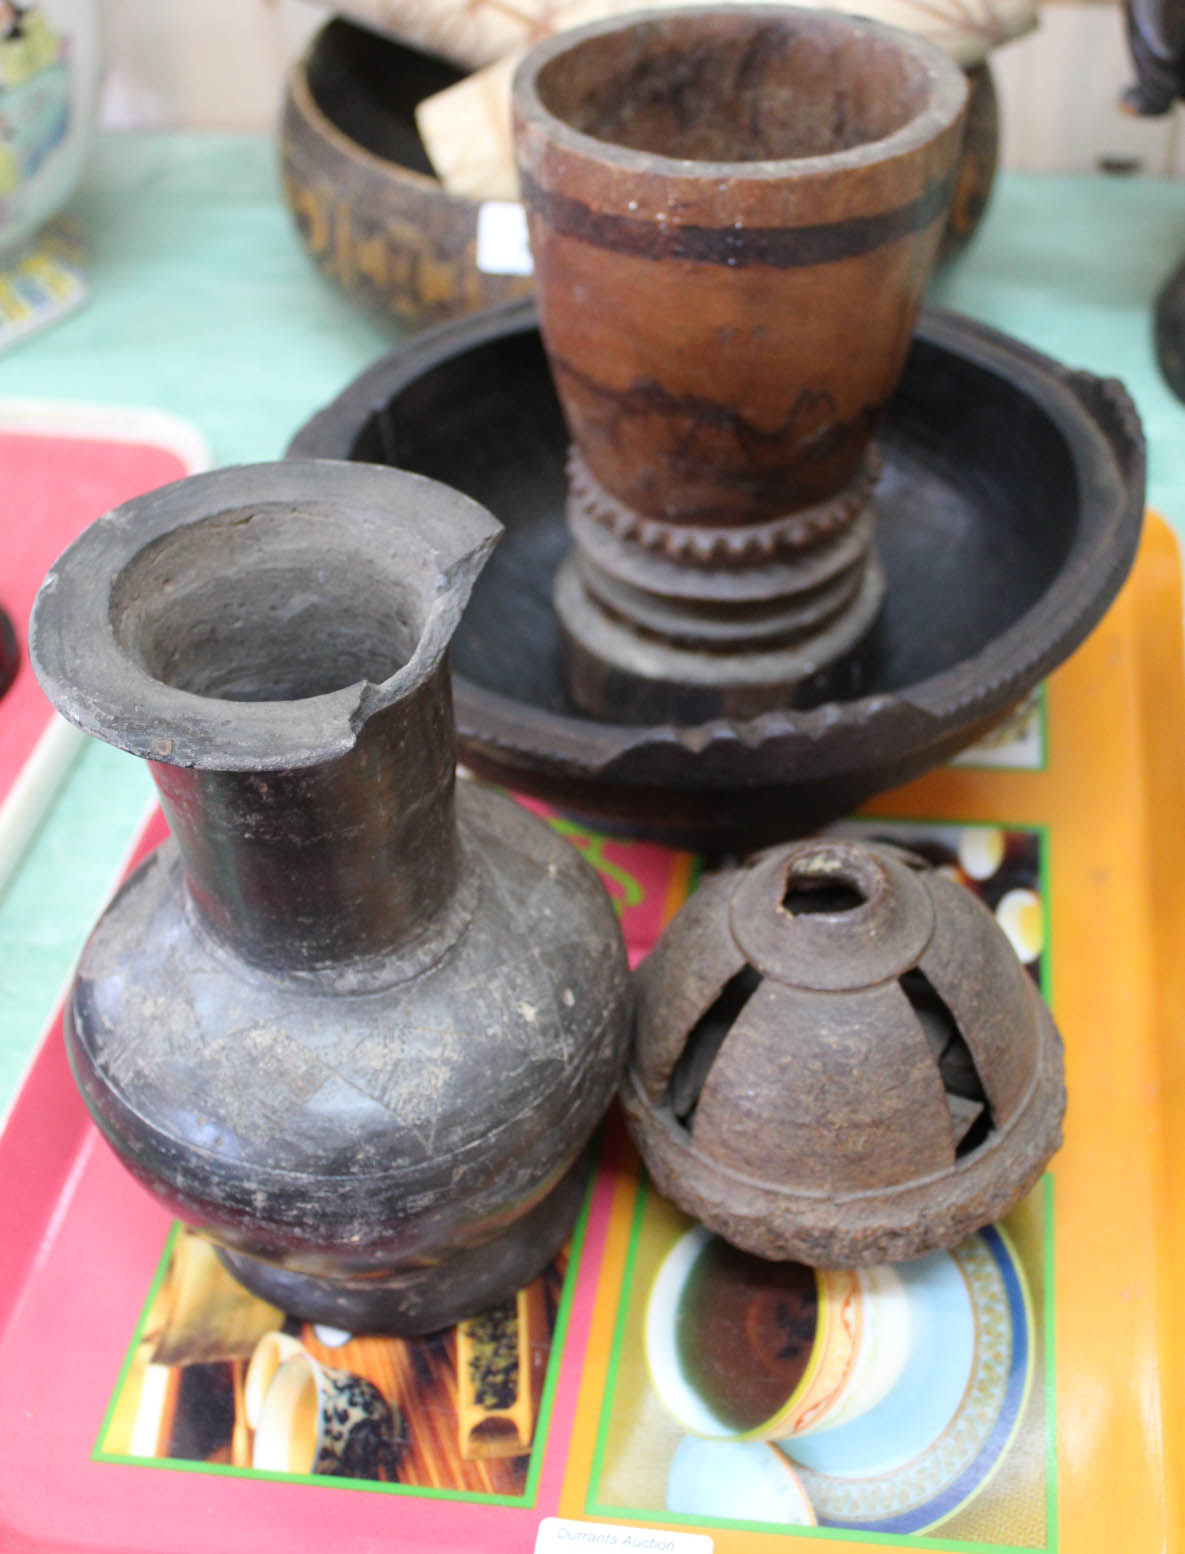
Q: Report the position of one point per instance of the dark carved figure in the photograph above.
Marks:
(9, 653)
(1156, 37)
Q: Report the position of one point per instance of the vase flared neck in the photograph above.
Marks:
(273, 640)
(352, 860)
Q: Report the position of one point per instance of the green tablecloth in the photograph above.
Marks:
(203, 304)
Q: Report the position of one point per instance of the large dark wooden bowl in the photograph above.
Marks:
(376, 219)
(1010, 511)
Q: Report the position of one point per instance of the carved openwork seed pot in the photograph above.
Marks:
(353, 1022)
(839, 1059)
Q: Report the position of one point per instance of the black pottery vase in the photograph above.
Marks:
(355, 1022)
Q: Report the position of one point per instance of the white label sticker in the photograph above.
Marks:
(557, 1535)
(502, 245)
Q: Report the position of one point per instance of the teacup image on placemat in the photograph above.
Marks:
(933, 1441)
(315, 1419)
(272, 1350)
(890, 1393)
(746, 1349)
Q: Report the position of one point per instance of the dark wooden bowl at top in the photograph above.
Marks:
(376, 219)
(1009, 513)
(366, 201)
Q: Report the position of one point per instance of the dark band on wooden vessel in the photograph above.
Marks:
(782, 248)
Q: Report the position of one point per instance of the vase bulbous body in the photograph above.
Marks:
(355, 1021)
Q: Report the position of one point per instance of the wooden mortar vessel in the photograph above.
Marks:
(733, 213)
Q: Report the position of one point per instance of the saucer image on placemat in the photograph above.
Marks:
(931, 1444)
(719, 1480)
